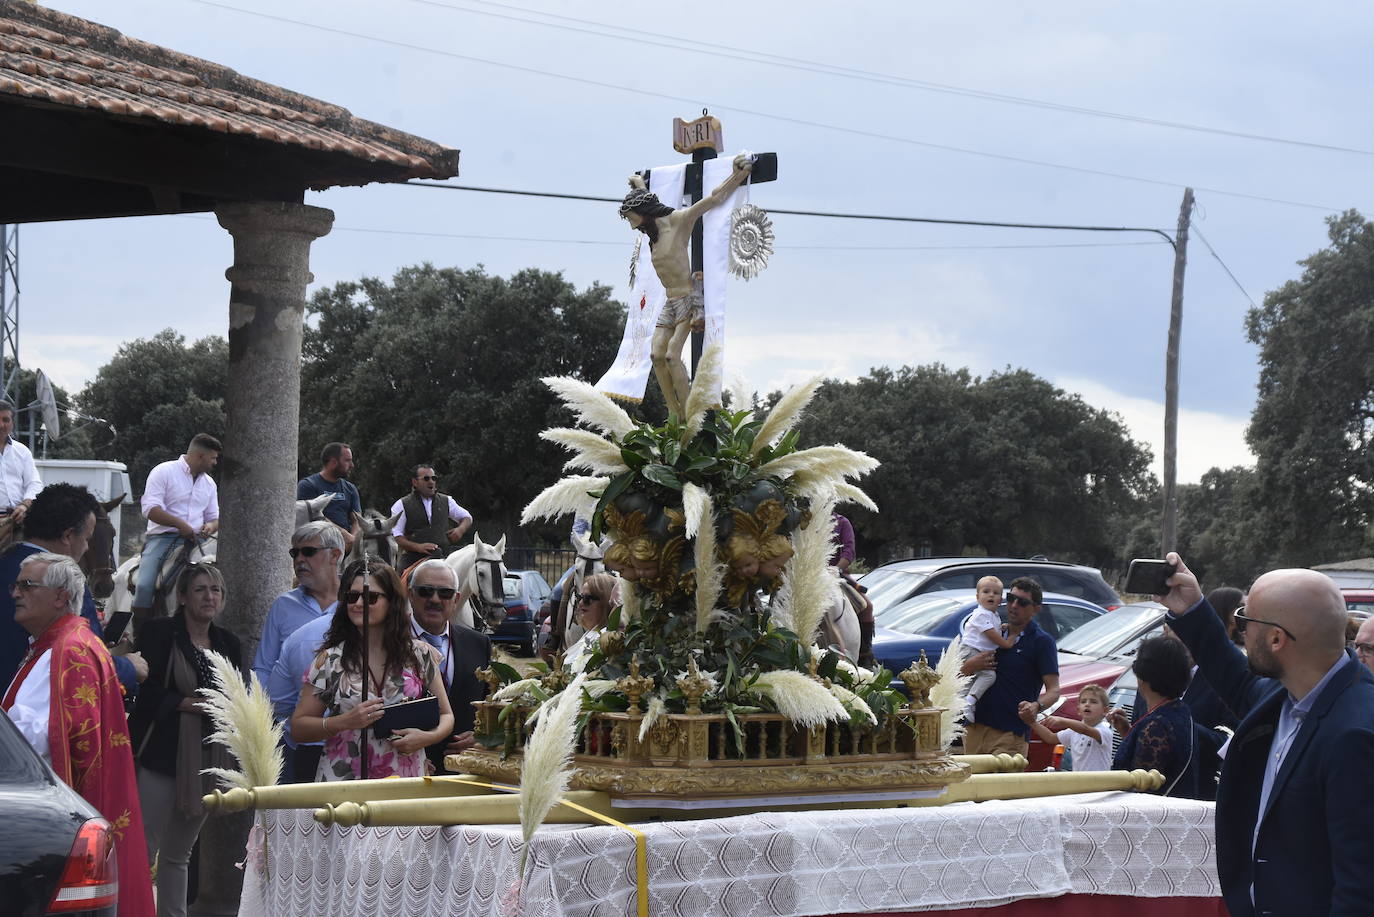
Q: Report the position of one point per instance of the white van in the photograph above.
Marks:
(105, 481)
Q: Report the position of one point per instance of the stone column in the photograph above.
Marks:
(258, 467)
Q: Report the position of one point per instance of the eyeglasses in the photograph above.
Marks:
(26, 585)
(356, 596)
(307, 551)
(1364, 649)
(1014, 601)
(586, 598)
(427, 592)
(1243, 619)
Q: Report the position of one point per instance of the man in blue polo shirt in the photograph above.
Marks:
(336, 464)
(1027, 679)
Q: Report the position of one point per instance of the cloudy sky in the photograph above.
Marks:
(994, 111)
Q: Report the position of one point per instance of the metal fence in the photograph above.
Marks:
(551, 563)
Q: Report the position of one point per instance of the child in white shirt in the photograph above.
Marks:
(1089, 742)
(982, 631)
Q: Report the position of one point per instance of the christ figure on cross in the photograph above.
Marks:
(670, 234)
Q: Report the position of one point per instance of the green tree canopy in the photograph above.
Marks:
(443, 365)
(1314, 419)
(158, 392)
(1006, 464)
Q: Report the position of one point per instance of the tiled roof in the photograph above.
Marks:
(51, 58)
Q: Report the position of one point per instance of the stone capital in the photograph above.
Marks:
(275, 218)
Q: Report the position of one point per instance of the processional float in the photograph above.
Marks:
(707, 693)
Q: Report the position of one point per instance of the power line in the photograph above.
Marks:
(815, 213)
(1243, 292)
(620, 243)
(749, 55)
(696, 102)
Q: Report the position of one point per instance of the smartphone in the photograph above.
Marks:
(1149, 577)
(114, 628)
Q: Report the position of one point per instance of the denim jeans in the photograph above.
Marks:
(154, 553)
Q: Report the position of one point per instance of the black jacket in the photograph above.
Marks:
(155, 722)
(471, 651)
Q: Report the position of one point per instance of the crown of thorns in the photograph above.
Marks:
(637, 199)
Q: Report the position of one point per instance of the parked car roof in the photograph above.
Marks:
(902, 579)
(939, 617)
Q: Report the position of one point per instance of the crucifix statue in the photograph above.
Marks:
(669, 232)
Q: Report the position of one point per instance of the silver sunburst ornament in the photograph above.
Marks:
(751, 240)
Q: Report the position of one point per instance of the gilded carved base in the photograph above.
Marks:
(702, 756)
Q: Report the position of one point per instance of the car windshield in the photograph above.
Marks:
(886, 587)
(1112, 633)
(919, 614)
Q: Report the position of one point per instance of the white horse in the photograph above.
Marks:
(590, 561)
(311, 510)
(839, 628)
(481, 582)
(165, 601)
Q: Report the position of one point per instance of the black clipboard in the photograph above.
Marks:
(412, 714)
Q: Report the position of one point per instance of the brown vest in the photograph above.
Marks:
(421, 529)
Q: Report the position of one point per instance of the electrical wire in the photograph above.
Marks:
(1234, 280)
(749, 55)
(697, 102)
(811, 213)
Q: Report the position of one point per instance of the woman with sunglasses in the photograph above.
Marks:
(399, 668)
(1164, 739)
(600, 593)
(168, 726)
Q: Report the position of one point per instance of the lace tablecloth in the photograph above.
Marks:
(781, 864)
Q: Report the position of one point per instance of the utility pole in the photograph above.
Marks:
(9, 310)
(1169, 536)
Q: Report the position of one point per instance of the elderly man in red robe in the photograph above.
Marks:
(67, 702)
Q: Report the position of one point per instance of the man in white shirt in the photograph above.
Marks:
(423, 529)
(181, 501)
(19, 481)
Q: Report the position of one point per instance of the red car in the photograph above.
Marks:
(1096, 653)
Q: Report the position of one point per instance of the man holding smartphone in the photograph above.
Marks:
(60, 521)
(1293, 806)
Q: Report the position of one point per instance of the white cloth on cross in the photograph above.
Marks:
(629, 374)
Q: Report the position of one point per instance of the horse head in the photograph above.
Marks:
(98, 561)
(375, 528)
(491, 577)
(590, 558)
(312, 510)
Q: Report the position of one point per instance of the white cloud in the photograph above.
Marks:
(1205, 439)
(70, 360)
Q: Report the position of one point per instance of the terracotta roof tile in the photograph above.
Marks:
(47, 56)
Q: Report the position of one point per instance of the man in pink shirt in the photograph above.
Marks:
(181, 501)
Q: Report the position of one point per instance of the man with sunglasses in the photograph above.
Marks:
(294, 630)
(1364, 643)
(1027, 679)
(424, 529)
(1293, 809)
(433, 606)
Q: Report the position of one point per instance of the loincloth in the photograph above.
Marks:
(679, 309)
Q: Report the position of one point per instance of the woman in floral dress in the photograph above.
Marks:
(402, 668)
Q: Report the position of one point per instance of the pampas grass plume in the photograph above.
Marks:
(591, 452)
(651, 715)
(591, 407)
(848, 493)
(243, 723)
(547, 764)
(949, 694)
(799, 697)
(566, 497)
(704, 393)
(786, 413)
(820, 464)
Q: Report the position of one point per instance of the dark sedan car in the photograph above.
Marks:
(57, 854)
(930, 622)
(893, 583)
(525, 591)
